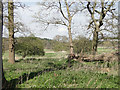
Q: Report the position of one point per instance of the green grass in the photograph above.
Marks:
(80, 75)
(75, 77)
(105, 50)
(6, 55)
(50, 54)
(27, 65)
(71, 79)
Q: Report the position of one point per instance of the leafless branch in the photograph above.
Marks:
(90, 24)
(62, 11)
(71, 4)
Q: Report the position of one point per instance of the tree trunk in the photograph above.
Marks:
(11, 32)
(70, 38)
(95, 42)
(70, 57)
(3, 81)
(69, 28)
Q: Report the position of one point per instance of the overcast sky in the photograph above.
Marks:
(32, 8)
(26, 15)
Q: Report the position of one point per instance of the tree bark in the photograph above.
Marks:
(11, 32)
(3, 81)
(95, 42)
(70, 39)
(69, 27)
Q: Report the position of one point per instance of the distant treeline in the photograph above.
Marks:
(80, 43)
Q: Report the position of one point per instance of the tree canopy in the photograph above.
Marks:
(26, 46)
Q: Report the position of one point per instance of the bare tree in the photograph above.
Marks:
(19, 26)
(12, 25)
(64, 39)
(57, 38)
(67, 11)
(60, 38)
(99, 11)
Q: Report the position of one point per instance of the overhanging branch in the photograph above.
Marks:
(62, 11)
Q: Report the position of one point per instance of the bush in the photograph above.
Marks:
(60, 46)
(82, 44)
(27, 46)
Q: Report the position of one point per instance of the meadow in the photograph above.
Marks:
(52, 71)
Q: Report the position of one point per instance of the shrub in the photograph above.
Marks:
(60, 46)
(82, 44)
(27, 46)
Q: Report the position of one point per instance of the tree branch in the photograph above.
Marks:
(90, 24)
(88, 7)
(71, 4)
(109, 7)
(62, 11)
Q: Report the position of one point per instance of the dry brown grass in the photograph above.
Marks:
(104, 57)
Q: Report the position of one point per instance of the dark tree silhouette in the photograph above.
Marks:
(2, 80)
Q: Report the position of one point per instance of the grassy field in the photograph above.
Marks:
(105, 50)
(52, 71)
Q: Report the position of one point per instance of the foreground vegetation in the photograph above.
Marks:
(38, 69)
(53, 72)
